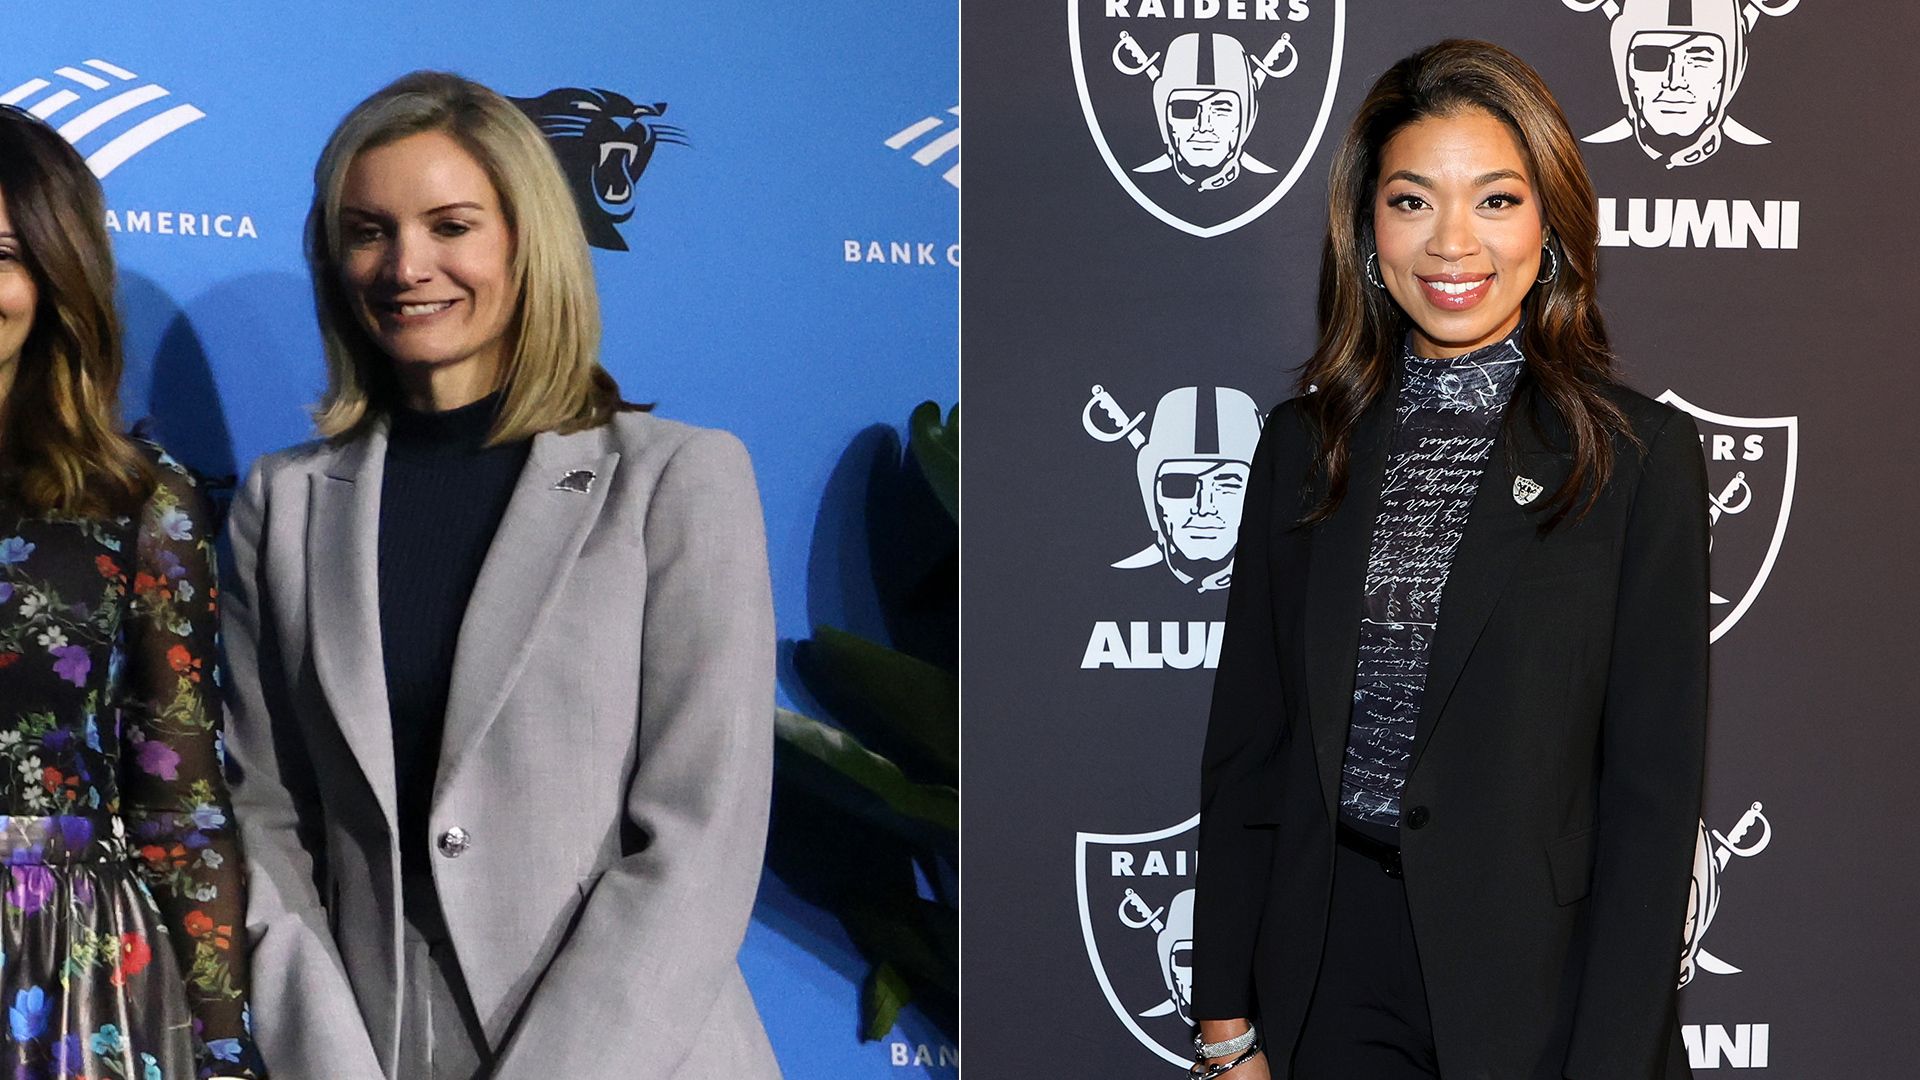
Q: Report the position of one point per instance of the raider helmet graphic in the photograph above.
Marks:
(1192, 469)
(1204, 101)
(1174, 946)
(1678, 64)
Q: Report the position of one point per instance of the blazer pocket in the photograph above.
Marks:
(1570, 860)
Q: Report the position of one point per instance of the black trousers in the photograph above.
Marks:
(1368, 1016)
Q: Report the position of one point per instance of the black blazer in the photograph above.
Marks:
(1553, 798)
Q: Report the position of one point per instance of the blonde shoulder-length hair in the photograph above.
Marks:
(552, 379)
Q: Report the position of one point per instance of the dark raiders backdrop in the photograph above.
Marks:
(1138, 290)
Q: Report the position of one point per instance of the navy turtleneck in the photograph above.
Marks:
(442, 496)
(1447, 415)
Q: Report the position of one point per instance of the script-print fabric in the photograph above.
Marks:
(1448, 412)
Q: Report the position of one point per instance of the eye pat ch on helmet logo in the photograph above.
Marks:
(1136, 917)
(1206, 111)
(1191, 462)
(1678, 64)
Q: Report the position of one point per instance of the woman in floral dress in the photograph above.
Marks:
(122, 876)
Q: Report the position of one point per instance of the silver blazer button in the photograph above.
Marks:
(454, 842)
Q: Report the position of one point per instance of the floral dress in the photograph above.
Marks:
(121, 944)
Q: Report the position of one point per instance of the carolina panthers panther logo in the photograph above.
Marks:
(604, 141)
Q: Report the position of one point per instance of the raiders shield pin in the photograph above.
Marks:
(1526, 490)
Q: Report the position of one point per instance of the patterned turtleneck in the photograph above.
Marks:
(1448, 413)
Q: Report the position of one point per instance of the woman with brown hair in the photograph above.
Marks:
(123, 879)
(502, 650)
(1452, 771)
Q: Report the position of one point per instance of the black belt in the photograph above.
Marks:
(1360, 843)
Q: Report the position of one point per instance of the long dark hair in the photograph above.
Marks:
(1569, 364)
(61, 437)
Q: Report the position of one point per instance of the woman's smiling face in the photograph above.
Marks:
(426, 254)
(1458, 229)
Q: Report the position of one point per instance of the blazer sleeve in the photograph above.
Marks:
(1653, 745)
(305, 1017)
(1236, 861)
(657, 938)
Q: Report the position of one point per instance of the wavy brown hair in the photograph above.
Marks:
(552, 379)
(60, 433)
(1569, 364)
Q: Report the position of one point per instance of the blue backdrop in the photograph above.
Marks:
(790, 273)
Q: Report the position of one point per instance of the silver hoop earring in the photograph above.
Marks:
(1553, 273)
(1371, 268)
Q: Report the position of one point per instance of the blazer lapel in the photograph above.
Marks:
(548, 517)
(1496, 538)
(1336, 575)
(343, 590)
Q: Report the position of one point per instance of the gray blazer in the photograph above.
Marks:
(607, 760)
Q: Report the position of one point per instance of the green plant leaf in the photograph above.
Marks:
(886, 994)
(935, 805)
(901, 704)
(936, 447)
(918, 937)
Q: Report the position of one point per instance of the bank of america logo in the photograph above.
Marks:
(934, 150)
(101, 108)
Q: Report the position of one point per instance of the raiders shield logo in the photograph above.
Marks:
(1677, 65)
(1206, 111)
(1136, 913)
(1750, 470)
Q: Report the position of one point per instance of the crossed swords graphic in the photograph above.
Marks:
(1726, 847)
(1137, 62)
(1145, 918)
(1123, 428)
(1724, 503)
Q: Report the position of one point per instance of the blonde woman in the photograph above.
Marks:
(120, 877)
(502, 650)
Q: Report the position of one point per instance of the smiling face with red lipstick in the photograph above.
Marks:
(1458, 229)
